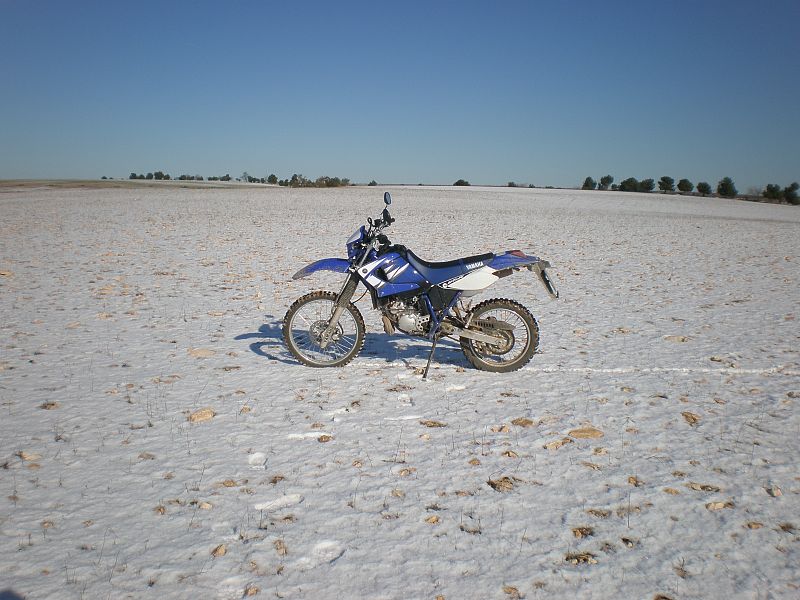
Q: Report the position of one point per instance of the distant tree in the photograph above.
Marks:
(605, 181)
(461, 182)
(372, 183)
(666, 184)
(272, 179)
(614, 187)
(704, 188)
(148, 176)
(753, 192)
(133, 176)
(166, 177)
(104, 177)
(589, 184)
(159, 175)
(790, 194)
(631, 184)
(647, 185)
(531, 186)
(726, 188)
(685, 186)
(225, 177)
(511, 184)
(773, 192)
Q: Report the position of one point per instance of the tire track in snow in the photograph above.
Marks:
(645, 370)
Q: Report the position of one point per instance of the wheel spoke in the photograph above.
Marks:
(519, 340)
(310, 319)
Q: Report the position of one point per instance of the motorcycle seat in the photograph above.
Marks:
(437, 272)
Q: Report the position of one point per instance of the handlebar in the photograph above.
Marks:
(379, 224)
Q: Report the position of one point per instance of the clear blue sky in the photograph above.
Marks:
(407, 92)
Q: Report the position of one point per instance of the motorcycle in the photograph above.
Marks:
(416, 297)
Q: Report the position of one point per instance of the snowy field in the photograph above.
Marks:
(650, 450)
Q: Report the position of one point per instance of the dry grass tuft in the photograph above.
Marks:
(701, 487)
(280, 547)
(512, 592)
(504, 484)
(556, 444)
(691, 418)
(29, 456)
(583, 532)
(202, 415)
(580, 558)
(201, 352)
(586, 433)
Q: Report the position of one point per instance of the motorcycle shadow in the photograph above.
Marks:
(268, 342)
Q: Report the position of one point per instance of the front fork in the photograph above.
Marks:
(342, 300)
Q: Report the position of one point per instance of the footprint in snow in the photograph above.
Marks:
(302, 436)
(327, 551)
(323, 553)
(279, 503)
(257, 460)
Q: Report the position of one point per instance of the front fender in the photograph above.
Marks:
(338, 265)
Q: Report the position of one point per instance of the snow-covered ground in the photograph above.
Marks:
(650, 449)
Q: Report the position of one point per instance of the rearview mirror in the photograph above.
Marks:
(387, 198)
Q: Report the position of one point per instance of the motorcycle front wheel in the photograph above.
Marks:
(517, 329)
(308, 317)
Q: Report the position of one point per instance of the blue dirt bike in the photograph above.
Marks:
(417, 297)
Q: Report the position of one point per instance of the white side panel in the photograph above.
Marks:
(478, 279)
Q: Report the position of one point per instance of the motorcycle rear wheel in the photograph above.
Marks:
(519, 343)
(308, 317)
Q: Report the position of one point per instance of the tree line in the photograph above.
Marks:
(299, 181)
(725, 187)
(295, 180)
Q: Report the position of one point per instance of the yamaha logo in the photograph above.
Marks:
(474, 265)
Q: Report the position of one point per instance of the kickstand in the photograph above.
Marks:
(430, 357)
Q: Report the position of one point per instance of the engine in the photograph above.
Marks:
(405, 315)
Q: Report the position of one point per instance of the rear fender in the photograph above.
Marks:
(514, 260)
(337, 265)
